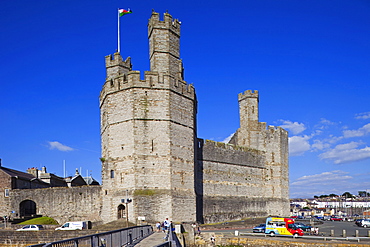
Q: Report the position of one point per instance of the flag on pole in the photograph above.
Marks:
(123, 12)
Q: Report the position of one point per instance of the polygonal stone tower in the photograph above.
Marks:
(273, 141)
(148, 133)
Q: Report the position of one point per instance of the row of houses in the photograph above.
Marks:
(34, 178)
(340, 206)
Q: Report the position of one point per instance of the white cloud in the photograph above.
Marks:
(336, 182)
(294, 127)
(363, 115)
(326, 121)
(345, 153)
(321, 179)
(324, 124)
(59, 146)
(320, 145)
(357, 133)
(298, 145)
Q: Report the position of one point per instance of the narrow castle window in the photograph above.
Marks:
(111, 173)
(6, 193)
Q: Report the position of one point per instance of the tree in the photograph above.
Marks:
(347, 195)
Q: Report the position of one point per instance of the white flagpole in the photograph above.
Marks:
(119, 50)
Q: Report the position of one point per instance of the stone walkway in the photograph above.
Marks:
(153, 240)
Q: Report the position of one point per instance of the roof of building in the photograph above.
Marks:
(17, 174)
(91, 181)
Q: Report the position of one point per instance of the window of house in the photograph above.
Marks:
(6, 193)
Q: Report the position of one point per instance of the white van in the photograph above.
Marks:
(73, 225)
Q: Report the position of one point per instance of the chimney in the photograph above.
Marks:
(33, 171)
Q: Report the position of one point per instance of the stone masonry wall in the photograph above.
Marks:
(232, 183)
(62, 204)
(5, 184)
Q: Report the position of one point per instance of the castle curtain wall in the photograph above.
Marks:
(62, 204)
(230, 182)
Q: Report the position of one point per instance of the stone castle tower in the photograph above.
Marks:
(273, 141)
(151, 153)
(148, 131)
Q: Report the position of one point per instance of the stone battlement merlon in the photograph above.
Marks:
(117, 60)
(248, 94)
(230, 146)
(167, 23)
(277, 129)
(262, 126)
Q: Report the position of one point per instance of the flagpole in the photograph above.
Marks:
(119, 50)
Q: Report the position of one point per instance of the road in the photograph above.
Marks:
(324, 229)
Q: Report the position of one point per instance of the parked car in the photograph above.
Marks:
(326, 217)
(365, 223)
(31, 228)
(358, 222)
(303, 226)
(334, 218)
(259, 228)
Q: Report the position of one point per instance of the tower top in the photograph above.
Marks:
(164, 46)
(167, 23)
(248, 94)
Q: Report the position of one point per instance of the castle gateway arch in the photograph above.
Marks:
(27, 208)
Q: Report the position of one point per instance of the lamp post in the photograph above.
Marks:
(126, 201)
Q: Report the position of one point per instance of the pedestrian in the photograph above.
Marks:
(167, 224)
(158, 226)
(194, 226)
(316, 231)
(163, 227)
(198, 230)
(213, 240)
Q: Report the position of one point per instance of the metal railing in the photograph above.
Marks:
(172, 240)
(123, 237)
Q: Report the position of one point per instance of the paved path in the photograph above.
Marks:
(153, 240)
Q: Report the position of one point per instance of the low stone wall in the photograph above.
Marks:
(221, 240)
(80, 203)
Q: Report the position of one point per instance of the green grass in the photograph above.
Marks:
(145, 192)
(40, 221)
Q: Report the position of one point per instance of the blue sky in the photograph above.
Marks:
(308, 59)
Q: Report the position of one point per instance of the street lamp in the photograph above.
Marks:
(126, 201)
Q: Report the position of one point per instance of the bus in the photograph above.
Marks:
(282, 226)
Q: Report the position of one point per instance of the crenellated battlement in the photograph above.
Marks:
(167, 23)
(116, 59)
(115, 66)
(228, 146)
(152, 80)
(248, 94)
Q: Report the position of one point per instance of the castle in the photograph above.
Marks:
(151, 153)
